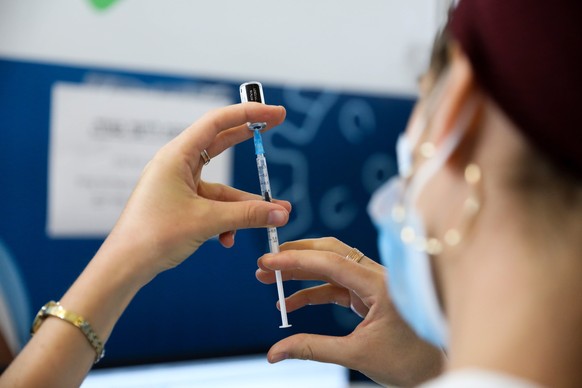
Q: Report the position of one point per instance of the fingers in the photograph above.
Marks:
(327, 247)
(329, 244)
(361, 279)
(230, 123)
(245, 210)
(228, 138)
(357, 306)
(323, 294)
(312, 347)
(229, 216)
(227, 238)
(266, 275)
(223, 193)
(326, 294)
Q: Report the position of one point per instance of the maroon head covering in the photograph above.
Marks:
(527, 54)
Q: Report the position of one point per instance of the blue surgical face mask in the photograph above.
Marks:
(403, 239)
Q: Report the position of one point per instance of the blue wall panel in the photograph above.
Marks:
(333, 151)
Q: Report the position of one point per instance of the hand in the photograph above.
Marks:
(382, 346)
(172, 211)
(168, 216)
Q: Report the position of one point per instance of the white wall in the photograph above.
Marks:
(372, 46)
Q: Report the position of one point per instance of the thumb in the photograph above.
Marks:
(248, 214)
(311, 347)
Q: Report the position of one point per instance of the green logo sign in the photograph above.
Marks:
(102, 4)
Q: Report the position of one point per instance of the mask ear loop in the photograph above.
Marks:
(436, 159)
(419, 128)
(407, 142)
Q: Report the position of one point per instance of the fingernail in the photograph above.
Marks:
(276, 217)
(279, 357)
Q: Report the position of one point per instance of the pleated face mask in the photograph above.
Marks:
(404, 246)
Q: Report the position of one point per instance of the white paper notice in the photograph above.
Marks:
(101, 139)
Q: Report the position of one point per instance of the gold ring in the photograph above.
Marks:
(354, 255)
(205, 157)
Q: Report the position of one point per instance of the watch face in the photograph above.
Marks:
(253, 92)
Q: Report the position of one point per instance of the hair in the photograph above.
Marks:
(548, 191)
(440, 58)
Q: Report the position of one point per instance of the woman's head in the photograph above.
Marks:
(521, 61)
(496, 79)
(527, 57)
(480, 231)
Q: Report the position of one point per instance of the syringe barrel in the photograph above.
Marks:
(273, 240)
(264, 178)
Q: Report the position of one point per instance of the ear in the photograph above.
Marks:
(459, 88)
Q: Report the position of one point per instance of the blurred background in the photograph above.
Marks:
(89, 89)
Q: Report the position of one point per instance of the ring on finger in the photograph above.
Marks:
(355, 255)
(205, 157)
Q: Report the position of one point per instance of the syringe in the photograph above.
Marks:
(253, 91)
(271, 231)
